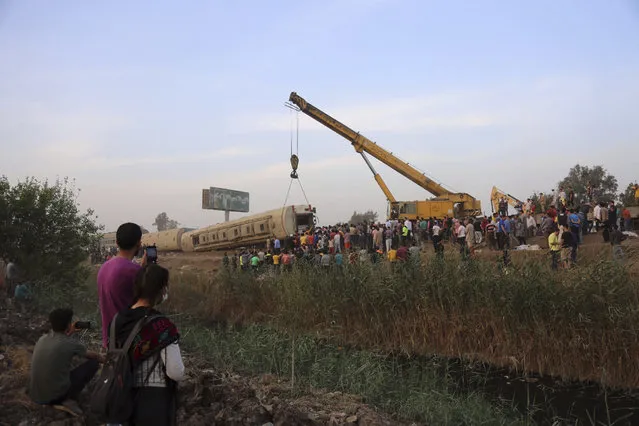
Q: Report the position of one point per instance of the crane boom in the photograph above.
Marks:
(363, 144)
(497, 193)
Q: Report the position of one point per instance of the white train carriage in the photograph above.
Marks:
(170, 240)
(250, 230)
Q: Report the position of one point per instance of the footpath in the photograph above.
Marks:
(208, 397)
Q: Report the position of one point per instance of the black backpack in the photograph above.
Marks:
(113, 398)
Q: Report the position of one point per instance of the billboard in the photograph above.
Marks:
(225, 200)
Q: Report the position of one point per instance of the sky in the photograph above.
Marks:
(145, 103)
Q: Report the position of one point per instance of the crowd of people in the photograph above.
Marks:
(403, 240)
(394, 241)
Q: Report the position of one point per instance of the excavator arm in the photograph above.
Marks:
(496, 194)
(363, 144)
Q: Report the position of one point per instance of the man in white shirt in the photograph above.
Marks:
(470, 236)
(461, 239)
(531, 224)
(597, 214)
(437, 240)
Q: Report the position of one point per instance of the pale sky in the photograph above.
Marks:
(146, 103)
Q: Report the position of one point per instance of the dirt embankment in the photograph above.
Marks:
(208, 397)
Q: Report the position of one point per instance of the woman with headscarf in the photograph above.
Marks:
(155, 353)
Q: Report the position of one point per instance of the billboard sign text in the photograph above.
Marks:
(225, 200)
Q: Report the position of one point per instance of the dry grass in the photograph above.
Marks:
(577, 324)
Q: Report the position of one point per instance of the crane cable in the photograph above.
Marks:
(295, 159)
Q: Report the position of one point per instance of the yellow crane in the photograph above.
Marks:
(497, 194)
(445, 203)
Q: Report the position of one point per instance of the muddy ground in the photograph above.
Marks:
(208, 397)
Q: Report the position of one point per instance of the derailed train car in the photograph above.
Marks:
(246, 231)
(170, 240)
(250, 230)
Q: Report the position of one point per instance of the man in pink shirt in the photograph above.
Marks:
(117, 276)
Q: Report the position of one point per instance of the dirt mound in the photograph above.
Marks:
(208, 397)
(229, 399)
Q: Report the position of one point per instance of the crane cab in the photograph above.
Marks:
(428, 208)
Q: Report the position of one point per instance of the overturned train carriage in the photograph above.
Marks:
(250, 230)
(170, 240)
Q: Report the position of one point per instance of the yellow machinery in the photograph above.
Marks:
(444, 204)
(496, 194)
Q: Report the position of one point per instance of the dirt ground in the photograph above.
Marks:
(207, 397)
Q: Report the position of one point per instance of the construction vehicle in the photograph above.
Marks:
(444, 204)
(497, 194)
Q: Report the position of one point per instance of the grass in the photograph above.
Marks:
(411, 390)
(361, 329)
(578, 324)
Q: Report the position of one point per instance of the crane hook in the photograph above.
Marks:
(295, 161)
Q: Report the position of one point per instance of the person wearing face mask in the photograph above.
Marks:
(117, 275)
(155, 353)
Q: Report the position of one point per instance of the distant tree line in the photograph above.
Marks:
(164, 223)
(592, 183)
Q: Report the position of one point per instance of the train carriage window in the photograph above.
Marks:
(262, 227)
(224, 235)
(235, 232)
(248, 229)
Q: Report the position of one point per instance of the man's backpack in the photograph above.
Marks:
(113, 398)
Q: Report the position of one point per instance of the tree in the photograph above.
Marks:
(368, 216)
(604, 185)
(163, 222)
(44, 232)
(627, 198)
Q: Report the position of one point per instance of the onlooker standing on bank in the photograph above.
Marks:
(11, 279)
(117, 276)
(155, 354)
(555, 247)
(470, 236)
(627, 219)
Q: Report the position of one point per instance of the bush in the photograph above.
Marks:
(44, 232)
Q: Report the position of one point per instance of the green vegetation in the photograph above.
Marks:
(577, 324)
(627, 198)
(580, 177)
(410, 390)
(44, 232)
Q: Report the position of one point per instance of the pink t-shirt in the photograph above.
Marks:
(115, 289)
